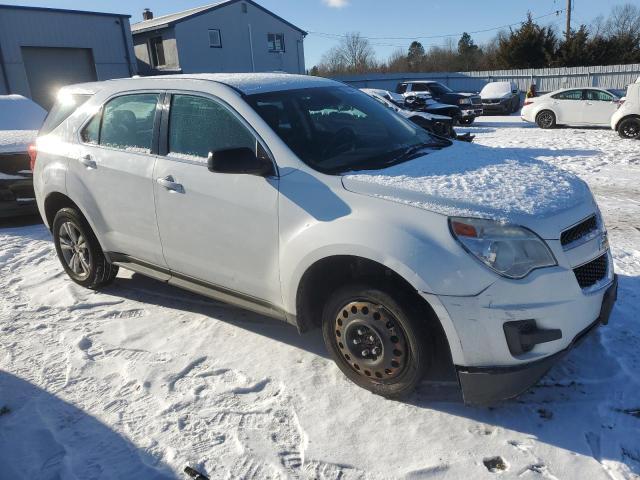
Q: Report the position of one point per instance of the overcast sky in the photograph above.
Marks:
(373, 18)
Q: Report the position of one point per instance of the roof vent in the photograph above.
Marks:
(147, 14)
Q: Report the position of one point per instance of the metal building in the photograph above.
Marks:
(42, 49)
(229, 36)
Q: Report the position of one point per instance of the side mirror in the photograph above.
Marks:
(240, 161)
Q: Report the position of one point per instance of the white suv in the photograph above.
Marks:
(307, 200)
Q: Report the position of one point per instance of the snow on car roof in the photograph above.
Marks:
(247, 83)
(467, 179)
(20, 120)
(20, 113)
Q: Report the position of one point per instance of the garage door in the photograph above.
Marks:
(50, 68)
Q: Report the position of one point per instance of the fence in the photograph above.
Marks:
(546, 79)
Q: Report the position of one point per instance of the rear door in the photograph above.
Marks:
(568, 106)
(221, 229)
(112, 175)
(598, 107)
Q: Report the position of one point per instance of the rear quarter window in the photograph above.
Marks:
(63, 108)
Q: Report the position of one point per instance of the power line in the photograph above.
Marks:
(340, 36)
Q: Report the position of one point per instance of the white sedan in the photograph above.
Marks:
(572, 106)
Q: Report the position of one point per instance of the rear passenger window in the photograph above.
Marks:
(570, 95)
(127, 122)
(91, 133)
(199, 125)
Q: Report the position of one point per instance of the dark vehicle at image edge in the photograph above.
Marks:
(469, 103)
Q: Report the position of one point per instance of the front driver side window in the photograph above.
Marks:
(198, 125)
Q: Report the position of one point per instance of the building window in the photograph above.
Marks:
(276, 42)
(156, 49)
(215, 40)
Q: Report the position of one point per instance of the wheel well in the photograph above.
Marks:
(330, 273)
(54, 203)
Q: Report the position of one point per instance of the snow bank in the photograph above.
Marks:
(467, 178)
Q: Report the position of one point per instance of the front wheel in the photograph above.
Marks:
(629, 128)
(466, 121)
(79, 250)
(378, 338)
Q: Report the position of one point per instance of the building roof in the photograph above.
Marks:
(63, 10)
(173, 18)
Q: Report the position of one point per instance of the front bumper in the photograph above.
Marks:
(471, 112)
(488, 385)
(502, 107)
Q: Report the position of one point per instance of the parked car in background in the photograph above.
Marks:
(500, 97)
(306, 200)
(424, 103)
(626, 120)
(470, 104)
(438, 124)
(572, 106)
(20, 119)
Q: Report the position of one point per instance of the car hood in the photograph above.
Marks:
(471, 180)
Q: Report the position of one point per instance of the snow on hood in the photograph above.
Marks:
(496, 90)
(472, 180)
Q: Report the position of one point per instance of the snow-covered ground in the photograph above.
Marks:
(143, 379)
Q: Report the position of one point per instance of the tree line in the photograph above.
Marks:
(606, 41)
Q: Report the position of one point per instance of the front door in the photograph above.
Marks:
(113, 175)
(221, 229)
(598, 107)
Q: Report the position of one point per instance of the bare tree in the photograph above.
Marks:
(354, 54)
(624, 21)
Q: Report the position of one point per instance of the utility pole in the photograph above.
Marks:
(568, 32)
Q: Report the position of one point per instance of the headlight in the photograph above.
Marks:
(508, 250)
(464, 101)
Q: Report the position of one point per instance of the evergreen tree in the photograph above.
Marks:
(530, 46)
(415, 56)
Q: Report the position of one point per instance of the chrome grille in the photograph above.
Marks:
(591, 273)
(579, 231)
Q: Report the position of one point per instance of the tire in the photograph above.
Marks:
(629, 128)
(358, 319)
(466, 121)
(79, 251)
(546, 119)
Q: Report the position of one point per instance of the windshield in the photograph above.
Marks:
(439, 88)
(339, 129)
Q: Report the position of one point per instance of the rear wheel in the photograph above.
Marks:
(79, 251)
(546, 119)
(629, 128)
(378, 338)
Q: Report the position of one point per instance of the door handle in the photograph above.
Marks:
(170, 184)
(87, 161)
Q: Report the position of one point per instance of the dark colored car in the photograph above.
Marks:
(20, 119)
(470, 104)
(500, 97)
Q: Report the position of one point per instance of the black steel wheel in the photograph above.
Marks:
(377, 338)
(546, 119)
(629, 128)
(79, 250)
